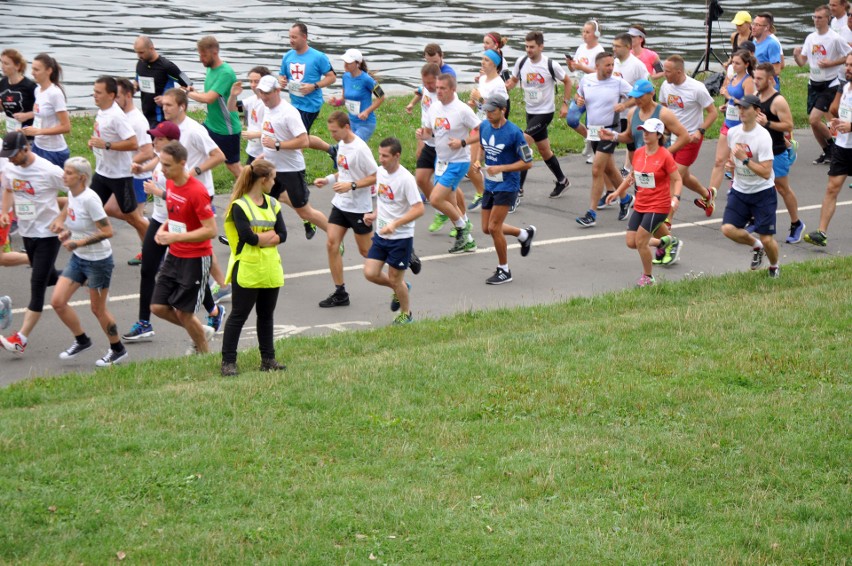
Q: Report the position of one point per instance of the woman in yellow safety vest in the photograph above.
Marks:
(254, 227)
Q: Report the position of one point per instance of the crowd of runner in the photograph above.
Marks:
(158, 154)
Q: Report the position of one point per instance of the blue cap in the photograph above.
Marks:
(641, 87)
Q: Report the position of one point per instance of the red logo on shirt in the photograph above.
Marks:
(535, 78)
(297, 71)
(97, 130)
(386, 191)
(267, 127)
(819, 50)
(442, 124)
(72, 214)
(23, 186)
(341, 162)
(674, 100)
(254, 115)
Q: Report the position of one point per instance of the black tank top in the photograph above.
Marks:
(779, 145)
(736, 42)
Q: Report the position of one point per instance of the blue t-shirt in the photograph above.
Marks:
(309, 67)
(359, 89)
(447, 69)
(768, 51)
(503, 146)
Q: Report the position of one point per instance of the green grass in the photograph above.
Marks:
(703, 421)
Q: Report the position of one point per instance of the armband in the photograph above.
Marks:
(378, 92)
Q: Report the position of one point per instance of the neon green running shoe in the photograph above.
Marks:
(438, 222)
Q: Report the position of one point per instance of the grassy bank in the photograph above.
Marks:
(704, 421)
(394, 121)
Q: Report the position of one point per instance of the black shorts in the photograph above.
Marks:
(427, 158)
(499, 198)
(650, 221)
(228, 143)
(841, 161)
(181, 282)
(354, 220)
(308, 118)
(632, 145)
(294, 183)
(125, 194)
(604, 146)
(537, 126)
(820, 95)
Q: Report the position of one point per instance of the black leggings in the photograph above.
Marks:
(242, 302)
(152, 258)
(42, 254)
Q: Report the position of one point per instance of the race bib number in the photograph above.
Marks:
(644, 180)
(732, 113)
(78, 236)
(817, 73)
(743, 170)
(353, 106)
(594, 133)
(37, 122)
(24, 209)
(294, 88)
(99, 153)
(176, 227)
(441, 167)
(254, 145)
(381, 223)
(11, 124)
(845, 113)
(146, 85)
(159, 205)
(497, 177)
(532, 96)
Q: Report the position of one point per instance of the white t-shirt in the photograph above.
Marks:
(845, 114)
(601, 96)
(47, 103)
(453, 120)
(828, 46)
(687, 100)
(537, 83)
(586, 56)
(426, 100)
(839, 24)
(846, 34)
(140, 127)
(631, 69)
(354, 162)
(397, 193)
(254, 110)
(83, 211)
(159, 212)
(35, 189)
(759, 148)
(198, 144)
(112, 125)
(495, 86)
(284, 123)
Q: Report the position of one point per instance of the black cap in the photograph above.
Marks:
(13, 142)
(749, 100)
(748, 45)
(493, 102)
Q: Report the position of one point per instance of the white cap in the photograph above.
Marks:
(653, 125)
(267, 83)
(352, 56)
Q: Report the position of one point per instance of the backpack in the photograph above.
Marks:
(714, 82)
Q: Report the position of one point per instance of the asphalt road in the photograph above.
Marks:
(566, 261)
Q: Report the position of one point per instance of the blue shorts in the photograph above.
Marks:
(139, 189)
(98, 273)
(58, 158)
(491, 199)
(761, 206)
(395, 253)
(362, 128)
(453, 175)
(781, 164)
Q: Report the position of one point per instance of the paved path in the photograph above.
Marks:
(566, 261)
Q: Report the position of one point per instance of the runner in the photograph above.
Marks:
(648, 56)
(582, 64)
(397, 207)
(841, 159)
(507, 153)
(31, 184)
(84, 230)
(767, 48)
(253, 110)
(304, 73)
(742, 22)
(190, 226)
(255, 229)
(154, 75)
(8, 258)
(352, 205)
(50, 114)
(433, 53)
(631, 69)
(538, 75)
(689, 100)
(17, 92)
(753, 192)
(450, 122)
(658, 188)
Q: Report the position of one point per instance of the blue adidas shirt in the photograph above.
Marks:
(502, 146)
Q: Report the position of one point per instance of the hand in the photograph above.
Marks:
(165, 238)
(606, 135)
(4, 220)
(797, 52)
(20, 116)
(824, 64)
(29, 131)
(189, 88)
(570, 63)
(307, 88)
(320, 181)
(158, 100)
(493, 170)
(69, 245)
(740, 151)
(135, 168)
(268, 142)
(579, 100)
(150, 187)
(409, 108)
(695, 137)
(236, 88)
(388, 229)
(620, 107)
(612, 197)
(282, 81)
(761, 118)
(363, 115)
(341, 187)
(454, 143)
(56, 227)
(369, 218)
(96, 143)
(420, 134)
(563, 111)
(675, 206)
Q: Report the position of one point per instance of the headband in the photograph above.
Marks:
(494, 56)
(636, 32)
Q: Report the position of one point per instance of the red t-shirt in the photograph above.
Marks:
(653, 193)
(187, 206)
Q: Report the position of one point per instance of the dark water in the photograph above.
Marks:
(91, 38)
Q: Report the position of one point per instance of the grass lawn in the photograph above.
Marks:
(703, 421)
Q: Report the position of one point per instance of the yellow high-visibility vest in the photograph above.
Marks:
(259, 267)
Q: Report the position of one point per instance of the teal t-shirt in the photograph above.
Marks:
(220, 80)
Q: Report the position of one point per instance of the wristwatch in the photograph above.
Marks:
(277, 145)
(745, 161)
(354, 185)
(198, 170)
(107, 145)
(463, 143)
(702, 131)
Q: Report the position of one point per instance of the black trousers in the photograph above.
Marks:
(243, 300)
(42, 254)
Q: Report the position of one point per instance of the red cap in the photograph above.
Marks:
(165, 130)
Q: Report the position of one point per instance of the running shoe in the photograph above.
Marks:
(468, 226)
(526, 245)
(476, 202)
(590, 159)
(438, 222)
(671, 253)
(817, 238)
(394, 304)
(215, 321)
(221, 293)
(559, 188)
(135, 260)
(709, 203)
(793, 150)
(500, 276)
(645, 281)
(403, 318)
(587, 149)
(140, 330)
(659, 254)
(229, 369)
(414, 263)
(822, 159)
(602, 203)
(625, 208)
(310, 229)
(463, 244)
(335, 300)
(796, 232)
(5, 312)
(112, 358)
(757, 258)
(74, 349)
(588, 220)
(271, 364)
(14, 343)
(774, 272)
